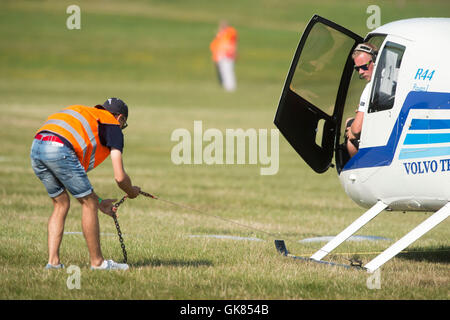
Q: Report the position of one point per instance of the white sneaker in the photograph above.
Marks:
(111, 265)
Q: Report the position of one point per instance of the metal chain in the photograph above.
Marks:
(119, 233)
(148, 194)
(116, 205)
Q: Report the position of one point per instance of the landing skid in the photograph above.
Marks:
(281, 248)
(384, 257)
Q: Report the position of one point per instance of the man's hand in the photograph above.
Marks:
(349, 133)
(134, 192)
(107, 206)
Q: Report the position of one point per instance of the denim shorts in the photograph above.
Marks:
(58, 167)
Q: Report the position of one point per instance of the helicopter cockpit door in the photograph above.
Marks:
(310, 110)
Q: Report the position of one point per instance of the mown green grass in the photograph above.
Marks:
(155, 56)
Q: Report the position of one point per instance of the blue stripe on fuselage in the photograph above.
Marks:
(383, 155)
(427, 124)
(425, 138)
(414, 153)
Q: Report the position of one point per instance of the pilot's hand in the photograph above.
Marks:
(349, 133)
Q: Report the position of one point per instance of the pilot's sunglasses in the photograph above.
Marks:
(365, 67)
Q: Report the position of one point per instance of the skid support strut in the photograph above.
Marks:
(408, 239)
(437, 217)
(349, 231)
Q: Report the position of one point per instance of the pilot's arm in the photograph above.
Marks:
(354, 131)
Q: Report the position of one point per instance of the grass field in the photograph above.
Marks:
(155, 56)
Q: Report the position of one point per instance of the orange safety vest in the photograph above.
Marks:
(224, 44)
(79, 125)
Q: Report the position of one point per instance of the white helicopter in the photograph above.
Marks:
(403, 162)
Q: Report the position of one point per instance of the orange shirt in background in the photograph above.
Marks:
(224, 44)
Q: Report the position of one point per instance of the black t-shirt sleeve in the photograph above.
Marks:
(111, 136)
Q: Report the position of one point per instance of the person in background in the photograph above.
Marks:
(224, 51)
